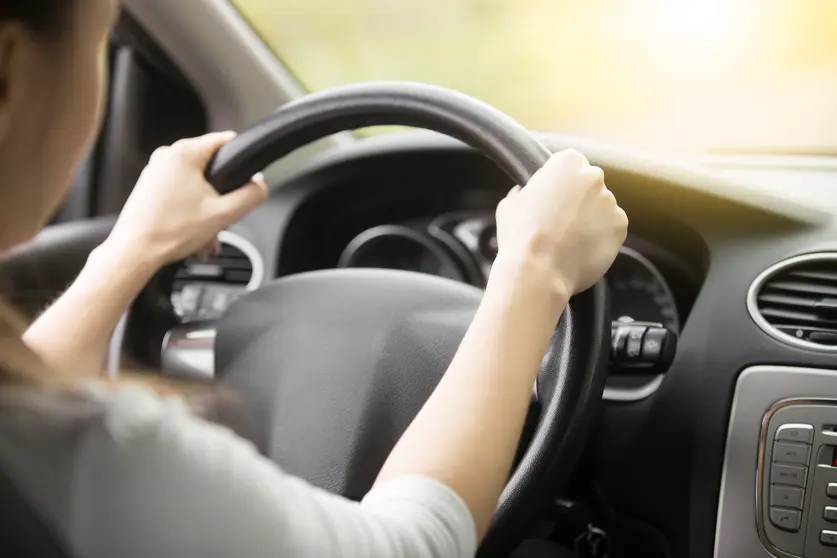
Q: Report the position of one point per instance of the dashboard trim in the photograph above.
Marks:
(655, 272)
(427, 242)
(630, 395)
(252, 253)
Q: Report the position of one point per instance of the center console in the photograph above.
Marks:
(779, 486)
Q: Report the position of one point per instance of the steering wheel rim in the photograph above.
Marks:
(574, 369)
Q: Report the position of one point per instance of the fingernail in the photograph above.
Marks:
(259, 177)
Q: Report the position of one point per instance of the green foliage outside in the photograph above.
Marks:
(666, 74)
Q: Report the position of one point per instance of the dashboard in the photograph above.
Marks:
(462, 247)
(741, 277)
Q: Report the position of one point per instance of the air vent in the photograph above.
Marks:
(795, 301)
(231, 267)
(204, 289)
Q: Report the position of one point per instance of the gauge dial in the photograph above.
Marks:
(397, 247)
(639, 292)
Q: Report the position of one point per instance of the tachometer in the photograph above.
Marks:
(640, 293)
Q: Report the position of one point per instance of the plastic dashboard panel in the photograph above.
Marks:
(659, 459)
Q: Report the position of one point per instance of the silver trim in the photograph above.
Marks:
(758, 389)
(627, 395)
(760, 465)
(758, 283)
(247, 248)
(652, 269)
(252, 253)
(188, 352)
(424, 240)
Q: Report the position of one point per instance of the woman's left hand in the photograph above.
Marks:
(173, 211)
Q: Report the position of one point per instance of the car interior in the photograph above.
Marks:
(688, 407)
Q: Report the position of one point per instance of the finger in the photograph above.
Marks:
(574, 157)
(235, 205)
(201, 149)
(513, 192)
(597, 174)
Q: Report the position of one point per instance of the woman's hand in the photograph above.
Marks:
(557, 236)
(173, 211)
(565, 222)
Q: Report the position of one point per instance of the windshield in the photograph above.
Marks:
(672, 75)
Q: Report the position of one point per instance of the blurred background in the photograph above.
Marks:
(738, 76)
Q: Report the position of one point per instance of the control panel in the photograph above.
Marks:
(797, 469)
(641, 347)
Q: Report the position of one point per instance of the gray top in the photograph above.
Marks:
(123, 472)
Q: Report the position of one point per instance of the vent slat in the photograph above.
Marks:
(792, 301)
(811, 289)
(786, 300)
(799, 317)
(816, 274)
(231, 266)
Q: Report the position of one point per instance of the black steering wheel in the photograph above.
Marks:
(333, 365)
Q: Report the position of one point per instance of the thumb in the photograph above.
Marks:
(201, 149)
(238, 203)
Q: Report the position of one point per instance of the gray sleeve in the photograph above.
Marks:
(152, 480)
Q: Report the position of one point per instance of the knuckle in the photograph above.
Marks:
(597, 174)
(160, 152)
(179, 148)
(622, 220)
(575, 156)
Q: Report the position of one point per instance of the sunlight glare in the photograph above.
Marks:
(698, 22)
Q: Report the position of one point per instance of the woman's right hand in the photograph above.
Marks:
(565, 222)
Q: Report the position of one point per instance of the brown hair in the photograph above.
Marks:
(43, 17)
(19, 364)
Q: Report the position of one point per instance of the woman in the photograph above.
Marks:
(119, 469)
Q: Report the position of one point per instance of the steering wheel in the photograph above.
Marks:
(333, 365)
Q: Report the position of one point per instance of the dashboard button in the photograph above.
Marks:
(830, 514)
(791, 475)
(784, 452)
(789, 520)
(633, 348)
(828, 538)
(786, 497)
(831, 490)
(795, 433)
(652, 344)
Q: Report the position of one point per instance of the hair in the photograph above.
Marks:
(19, 364)
(43, 17)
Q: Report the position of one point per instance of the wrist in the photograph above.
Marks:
(124, 258)
(528, 276)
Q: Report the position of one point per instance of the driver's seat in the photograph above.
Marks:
(23, 532)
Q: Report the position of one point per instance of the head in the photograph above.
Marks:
(52, 65)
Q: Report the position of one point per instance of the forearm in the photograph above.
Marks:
(72, 335)
(467, 433)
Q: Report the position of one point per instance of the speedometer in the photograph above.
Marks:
(639, 292)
